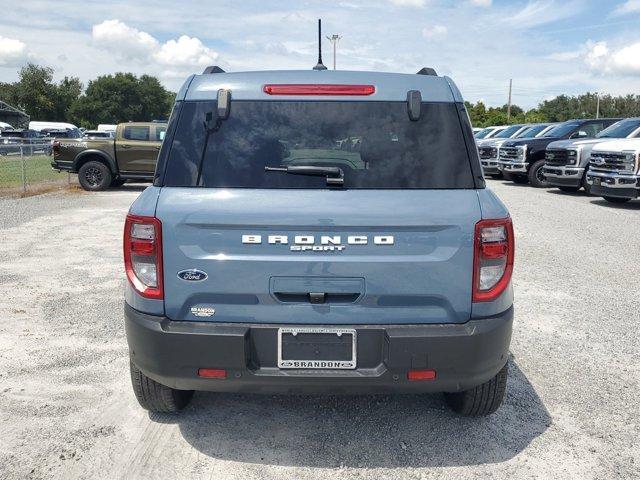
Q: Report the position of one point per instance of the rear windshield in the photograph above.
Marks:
(374, 143)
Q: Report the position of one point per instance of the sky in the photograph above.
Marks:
(548, 47)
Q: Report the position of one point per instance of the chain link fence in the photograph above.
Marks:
(25, 167)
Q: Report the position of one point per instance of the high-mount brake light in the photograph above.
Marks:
(311, 89)
(143, 255)
(493, 258)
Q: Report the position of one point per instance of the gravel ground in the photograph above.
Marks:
(67, 409)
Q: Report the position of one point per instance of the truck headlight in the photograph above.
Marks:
(631, 160)
(573, 156)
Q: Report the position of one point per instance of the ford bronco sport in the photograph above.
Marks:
(319, 232)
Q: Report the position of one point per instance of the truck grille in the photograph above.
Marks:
(557, 158)
(613, 162)
(510, 154)
(487, 153)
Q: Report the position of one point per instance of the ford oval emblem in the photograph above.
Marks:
(192, 275)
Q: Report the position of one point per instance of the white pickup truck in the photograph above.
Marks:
(614, 170)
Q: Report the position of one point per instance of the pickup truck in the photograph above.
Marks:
(489, 149)
(567, 161)
(523, 160)
(614, 170)
(319, 232)
(108, 162)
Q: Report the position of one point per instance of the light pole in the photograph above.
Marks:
(334, 39)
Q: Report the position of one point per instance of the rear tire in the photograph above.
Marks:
(94, 176)
(156, 397)
(536, 175)
(482, 400)
(616, 199)
(569, 189)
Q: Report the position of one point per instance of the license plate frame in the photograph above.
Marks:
(597, 181)
(318, 364)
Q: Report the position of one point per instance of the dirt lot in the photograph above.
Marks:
(67, 409)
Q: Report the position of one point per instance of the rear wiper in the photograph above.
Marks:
(334, 175)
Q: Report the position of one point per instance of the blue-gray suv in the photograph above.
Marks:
(319, 232)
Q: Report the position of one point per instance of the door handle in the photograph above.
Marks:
(125, 147)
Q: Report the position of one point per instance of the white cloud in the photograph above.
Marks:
(623, 61)
(13, 52)
(126, 42)
(185, 52)
(630, 6)
(540, 12)
(437, 31)
(481, 3)
(409, 3)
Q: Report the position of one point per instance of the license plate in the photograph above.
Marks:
(317, 348)
(597, 180)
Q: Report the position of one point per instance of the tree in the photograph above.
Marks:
(122, 97)
(39, 96)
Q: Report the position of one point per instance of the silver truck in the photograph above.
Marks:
(567, 161)
(489, 149)
(614, 170)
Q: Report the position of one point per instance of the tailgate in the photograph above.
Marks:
(318, 256)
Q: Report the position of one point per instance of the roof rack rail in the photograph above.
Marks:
(212, 69)
(427, 71)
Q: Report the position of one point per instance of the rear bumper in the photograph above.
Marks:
(463, 355)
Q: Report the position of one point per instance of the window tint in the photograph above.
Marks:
(591, 129)
(374, 143)
(136, 133)
(160, 133)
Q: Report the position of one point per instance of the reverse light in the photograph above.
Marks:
(310, 89)
(493, 258)
(143, 255)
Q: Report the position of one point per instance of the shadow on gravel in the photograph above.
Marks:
(359, 431)
(632, 205)
(130, 187)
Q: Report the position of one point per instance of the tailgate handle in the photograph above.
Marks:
(316, 298)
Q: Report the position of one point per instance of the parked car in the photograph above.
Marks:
(614, 170)
(488, 132)
(488, 148)
(39, 126)
(522, 160)
(268, 258)
(567, 161)
(104, 162)
(61, 133)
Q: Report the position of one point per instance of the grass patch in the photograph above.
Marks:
(37, 169)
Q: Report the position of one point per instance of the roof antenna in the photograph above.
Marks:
(319, 65)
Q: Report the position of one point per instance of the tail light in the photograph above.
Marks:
(314, 89)
(143, 255)
(493, 258)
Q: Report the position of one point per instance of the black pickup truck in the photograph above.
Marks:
(522, 160)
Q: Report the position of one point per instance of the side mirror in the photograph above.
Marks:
(224, 103)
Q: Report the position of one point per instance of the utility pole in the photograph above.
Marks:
(509, 104)
(598, 105)
(334, 39)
